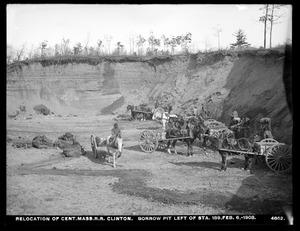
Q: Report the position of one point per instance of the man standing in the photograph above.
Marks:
(195, 111)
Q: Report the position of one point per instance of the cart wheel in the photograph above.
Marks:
(269, 140)
(279, 157)
(148, 141)
(93, 145)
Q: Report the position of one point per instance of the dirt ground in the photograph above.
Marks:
(43, 182)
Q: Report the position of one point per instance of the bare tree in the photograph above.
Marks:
(185, 39)
(10, 53)
(207, 44)
(20, 52)
(218, 29)
(86, 44)
(273, 18)
(264, 19)
(43, 46)
(77, 49)
(108, 39)
(131, 41)
(140, 43)
(65, 49)
(57, 49)
(99, 44)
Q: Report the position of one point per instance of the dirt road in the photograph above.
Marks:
(43, 182)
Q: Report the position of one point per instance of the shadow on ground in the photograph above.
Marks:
(269, 194)
(203, 164)
(100, 157)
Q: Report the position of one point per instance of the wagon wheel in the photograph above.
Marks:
(279, 157)
(269, 140)
(93, 145)
(148, 141)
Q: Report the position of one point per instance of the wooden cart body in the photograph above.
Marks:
(149, 141)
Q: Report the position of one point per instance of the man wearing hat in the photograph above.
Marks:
(235, 120)
(115, 132)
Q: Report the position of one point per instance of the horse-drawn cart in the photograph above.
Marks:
(149, 141)
(278, 156)
(140, 112)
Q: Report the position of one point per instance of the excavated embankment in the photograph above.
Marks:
(249, 82)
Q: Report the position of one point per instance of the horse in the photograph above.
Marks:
(179, 127)
(113, 146)
(134, 114)
(239, 138)
(140, 115)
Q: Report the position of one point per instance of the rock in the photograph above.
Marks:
(41, 142)
(14, 114)
(73, 151)
(22, 108)
(42, 109)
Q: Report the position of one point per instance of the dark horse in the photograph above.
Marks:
(139, 115)
(239, 139)
(178, 127)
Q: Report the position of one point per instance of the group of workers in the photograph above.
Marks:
(265, 125)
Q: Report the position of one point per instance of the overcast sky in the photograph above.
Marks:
(33, 23)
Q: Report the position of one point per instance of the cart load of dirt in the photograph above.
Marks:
(42, 142)
(42, 109)
(69, 145)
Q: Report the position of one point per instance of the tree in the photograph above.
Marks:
(99, 43)
(140, 43)
(64, 47)
(185, 39)
(20, 52)
(57, 49)
(273, 18)
(10, 53)
(86, 44)
(108, 39)
(119, 50)
(166, 43)
(218, 29)
(264, 19)
(43, 47)
(173, 42)
(207, 44)
(240, 39)
(77, 49)
(131, 41)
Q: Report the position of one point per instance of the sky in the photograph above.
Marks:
(31, 24)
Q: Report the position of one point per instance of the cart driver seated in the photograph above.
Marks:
(115, 138)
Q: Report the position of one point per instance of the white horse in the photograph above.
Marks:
(114, 149)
